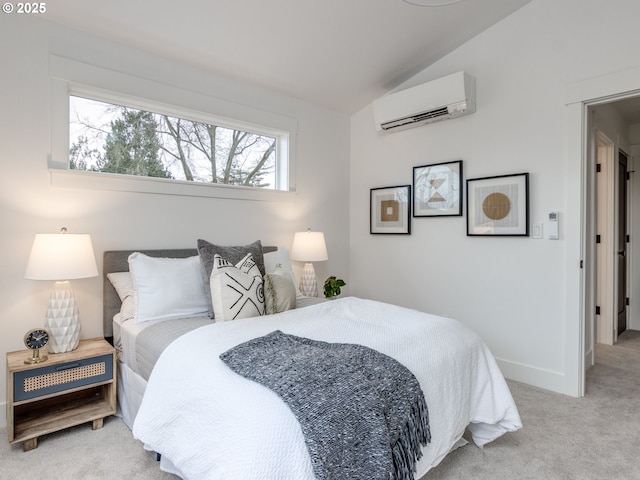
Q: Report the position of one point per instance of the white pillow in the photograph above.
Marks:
(280, 257)
(123, 284)
(167, 287)
(236, 290)
(279, 291)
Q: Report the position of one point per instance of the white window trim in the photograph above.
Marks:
(82, 179)
(70, 77)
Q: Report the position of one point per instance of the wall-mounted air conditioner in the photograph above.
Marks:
(446, 97)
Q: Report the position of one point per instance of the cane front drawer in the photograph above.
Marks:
(49, 379)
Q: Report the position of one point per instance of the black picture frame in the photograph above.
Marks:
(498, 206)
(437, 190)
(390, 210)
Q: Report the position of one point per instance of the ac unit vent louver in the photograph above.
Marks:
(446, 97)
(439, 112)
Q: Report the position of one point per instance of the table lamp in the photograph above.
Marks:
(309, 247)
(62, 257)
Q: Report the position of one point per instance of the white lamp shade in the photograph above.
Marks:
(309, 247)
(61, 256)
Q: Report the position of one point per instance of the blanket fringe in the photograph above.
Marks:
(414, 433)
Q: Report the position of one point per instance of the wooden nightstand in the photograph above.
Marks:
(66, 390)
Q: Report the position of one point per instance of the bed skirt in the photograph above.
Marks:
(130, 390)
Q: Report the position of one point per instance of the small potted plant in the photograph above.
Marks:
(332, 287)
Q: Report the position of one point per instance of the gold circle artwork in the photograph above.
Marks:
(496, 206)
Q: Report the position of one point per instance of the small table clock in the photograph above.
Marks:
(34, 340)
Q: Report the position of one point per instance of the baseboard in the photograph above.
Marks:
(588, 360)
(537, 377)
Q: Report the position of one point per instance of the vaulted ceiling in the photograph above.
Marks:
(341, 54)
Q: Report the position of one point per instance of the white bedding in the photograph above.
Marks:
(210, 423)
(131, 385)
(124, 339)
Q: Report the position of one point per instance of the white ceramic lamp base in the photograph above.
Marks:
(61, 319)
(308, 283)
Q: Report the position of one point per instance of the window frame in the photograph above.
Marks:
(69, 77)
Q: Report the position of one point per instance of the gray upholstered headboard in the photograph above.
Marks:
(118, 261)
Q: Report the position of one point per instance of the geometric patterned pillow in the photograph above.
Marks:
(207, 252)
(236, 290)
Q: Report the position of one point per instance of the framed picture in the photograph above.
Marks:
(437, 190)
(391, 210)
(498, 205)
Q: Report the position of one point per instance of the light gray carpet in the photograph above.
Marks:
(563, 438)
(592, 438)
(80, 453)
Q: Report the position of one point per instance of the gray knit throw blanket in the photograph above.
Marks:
(362, 413)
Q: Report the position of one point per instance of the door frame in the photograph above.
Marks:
(580, 267)
(605, 270)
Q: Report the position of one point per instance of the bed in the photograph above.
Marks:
(208, 422)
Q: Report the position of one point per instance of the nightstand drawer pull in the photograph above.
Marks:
(67, 367)
(57, 378)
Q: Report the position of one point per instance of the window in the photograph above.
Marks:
(188, 146)
(189, 98)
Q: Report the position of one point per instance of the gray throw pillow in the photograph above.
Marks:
(232, 254)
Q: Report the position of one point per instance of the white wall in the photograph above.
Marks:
(30, 205)
(519, 294)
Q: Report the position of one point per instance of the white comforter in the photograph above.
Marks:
(210, 423)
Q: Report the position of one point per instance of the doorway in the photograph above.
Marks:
(623, 89)
(613, 266)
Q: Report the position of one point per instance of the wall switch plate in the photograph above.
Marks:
(536, 231)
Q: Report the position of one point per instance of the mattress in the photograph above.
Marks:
(139, 345)
(142, 343)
